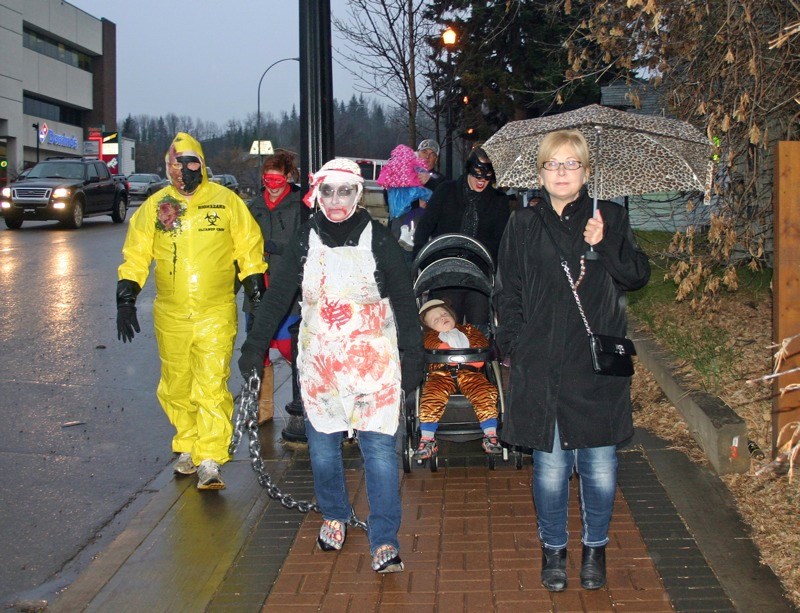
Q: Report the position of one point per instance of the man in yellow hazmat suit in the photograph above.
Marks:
(195, 231)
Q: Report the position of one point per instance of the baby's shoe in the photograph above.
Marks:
(491, 444)
(427, 447)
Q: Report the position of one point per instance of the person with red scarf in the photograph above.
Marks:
(279, 211)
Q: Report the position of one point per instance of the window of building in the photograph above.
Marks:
(57, 50)
(50, 110)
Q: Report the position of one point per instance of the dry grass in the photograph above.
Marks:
(767, 503)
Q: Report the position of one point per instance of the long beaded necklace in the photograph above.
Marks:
(583, 273)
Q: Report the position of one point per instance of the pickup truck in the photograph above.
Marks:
(67, 190)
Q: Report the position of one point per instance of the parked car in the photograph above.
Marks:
(67, 190)
(228, 181)
(144, 185)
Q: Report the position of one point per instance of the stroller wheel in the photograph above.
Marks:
(433, 463)
(406, 460)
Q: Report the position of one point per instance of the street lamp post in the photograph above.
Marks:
(35, 126)
(258, 105)
(449, 38)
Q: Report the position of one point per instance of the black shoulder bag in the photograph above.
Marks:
(611, 355)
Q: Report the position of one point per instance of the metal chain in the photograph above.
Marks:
(574, 288)
(245, 416)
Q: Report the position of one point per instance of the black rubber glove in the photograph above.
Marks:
(250, 363)
(270, 246)
(255, 287)
(127, 323)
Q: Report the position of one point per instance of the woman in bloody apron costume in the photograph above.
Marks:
(358, 315)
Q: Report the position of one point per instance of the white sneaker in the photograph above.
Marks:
(184, 465)
(406, 239)
(208, 476)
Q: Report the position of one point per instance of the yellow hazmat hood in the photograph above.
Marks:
(186, 144)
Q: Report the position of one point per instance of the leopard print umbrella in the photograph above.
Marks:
(637, 154)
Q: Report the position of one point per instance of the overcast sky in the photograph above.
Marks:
(203, 58)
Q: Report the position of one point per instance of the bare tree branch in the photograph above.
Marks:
(382, 53)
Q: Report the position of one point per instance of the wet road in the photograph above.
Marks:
(81, 432)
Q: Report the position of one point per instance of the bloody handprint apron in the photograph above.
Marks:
(348, 362)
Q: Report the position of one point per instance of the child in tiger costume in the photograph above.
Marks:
(442, 332)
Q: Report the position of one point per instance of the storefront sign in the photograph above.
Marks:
(48, 136)
(62, 140)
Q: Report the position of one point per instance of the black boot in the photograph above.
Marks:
(554, 569)
(593, 567)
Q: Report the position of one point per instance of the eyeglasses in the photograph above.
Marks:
(343, 191)
(568, 165)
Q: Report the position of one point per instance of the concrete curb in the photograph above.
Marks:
(708, 510)
(714, 425)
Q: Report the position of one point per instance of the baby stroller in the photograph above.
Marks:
(454, 260)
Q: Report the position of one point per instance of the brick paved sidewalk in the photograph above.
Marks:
(468, 541)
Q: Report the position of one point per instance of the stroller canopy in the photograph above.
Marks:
(455, 246)
(452, 272)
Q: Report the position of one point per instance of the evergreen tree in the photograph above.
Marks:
(508, 63)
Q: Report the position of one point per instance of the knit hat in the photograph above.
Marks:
(432, 304)
(401, 168)
(429, 143)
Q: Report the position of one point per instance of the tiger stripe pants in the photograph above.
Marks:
(473, 385)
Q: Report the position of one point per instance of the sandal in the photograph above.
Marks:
(427, 447)
(386, 559)
(491, 444)
(332, 535)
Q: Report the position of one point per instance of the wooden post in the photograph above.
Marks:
(786, 280)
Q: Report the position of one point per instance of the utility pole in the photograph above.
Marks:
(35, 126)
(316, 87)
(316, 146)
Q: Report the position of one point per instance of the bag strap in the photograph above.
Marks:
(565, 265)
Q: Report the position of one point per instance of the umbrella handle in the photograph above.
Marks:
(591, 254)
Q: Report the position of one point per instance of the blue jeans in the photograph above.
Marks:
(597, 469)
(381, 475)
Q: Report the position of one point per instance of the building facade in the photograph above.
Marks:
(57, 80)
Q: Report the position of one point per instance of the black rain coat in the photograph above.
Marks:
(445, 213)
(278, 225)
(541, 329)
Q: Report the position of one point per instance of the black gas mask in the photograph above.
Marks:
(191, 172)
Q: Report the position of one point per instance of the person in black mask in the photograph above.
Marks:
(468, 205)
(192, 234)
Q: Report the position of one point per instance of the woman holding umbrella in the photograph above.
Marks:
(572, 418)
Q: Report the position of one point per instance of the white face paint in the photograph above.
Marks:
(338, 200)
